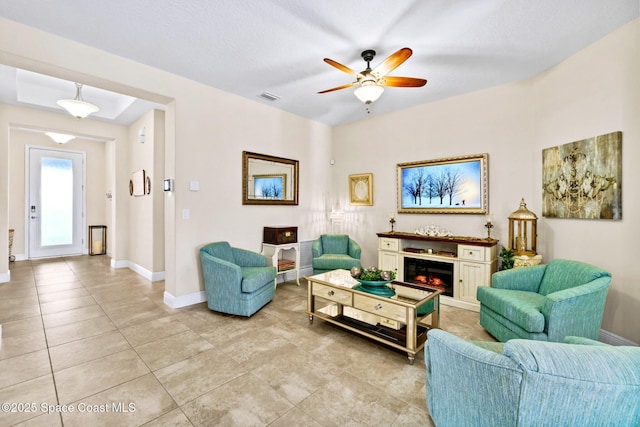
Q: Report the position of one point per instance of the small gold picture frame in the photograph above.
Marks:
(361, 189)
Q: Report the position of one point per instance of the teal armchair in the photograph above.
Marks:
(531, 383)
(237, 281)
(545, 302)
(333, 252)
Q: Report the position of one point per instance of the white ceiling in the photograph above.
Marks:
(248, 47)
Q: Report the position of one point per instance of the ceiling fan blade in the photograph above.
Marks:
(392, 62)
(339, 87)
(402, 81)
(341, 67)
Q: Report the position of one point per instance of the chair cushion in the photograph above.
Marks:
(334, 262)
(254, 278)
(520, 307)
(335, 243)
(562, 274)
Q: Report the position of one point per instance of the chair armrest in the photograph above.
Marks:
(219, 271)
(454, 368)
(583, 341)
(519, 279)
(246, 258)
(354, 249)
(316, 248)
(576, 311)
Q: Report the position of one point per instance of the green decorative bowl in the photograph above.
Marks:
(373, 282)
(375, 287)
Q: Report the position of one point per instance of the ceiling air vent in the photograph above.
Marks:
(269, 96)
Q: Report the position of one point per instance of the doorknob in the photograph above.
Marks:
(34, 217)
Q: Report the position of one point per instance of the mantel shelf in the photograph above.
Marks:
(473, 241)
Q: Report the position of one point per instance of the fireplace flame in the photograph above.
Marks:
(433, 281)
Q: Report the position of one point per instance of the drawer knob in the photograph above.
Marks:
(377, 307)
(330, 293)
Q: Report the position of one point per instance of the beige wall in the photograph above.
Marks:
(595, 92)
(146, 213)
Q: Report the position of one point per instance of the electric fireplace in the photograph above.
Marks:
(435, 274)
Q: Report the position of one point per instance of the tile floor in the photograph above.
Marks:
(84, 344)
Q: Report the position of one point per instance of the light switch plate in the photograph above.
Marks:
(194, 186)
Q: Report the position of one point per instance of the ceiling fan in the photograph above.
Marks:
(370, 81)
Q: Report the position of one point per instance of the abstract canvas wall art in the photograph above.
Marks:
(583, 179)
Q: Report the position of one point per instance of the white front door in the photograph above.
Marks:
(55, 203)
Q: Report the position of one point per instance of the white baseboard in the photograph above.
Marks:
(5, 277)
(20, 257)
(184, 300)
(149, 275)
(613, 339)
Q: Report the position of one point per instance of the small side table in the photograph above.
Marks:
(526, 261)
(281, 261)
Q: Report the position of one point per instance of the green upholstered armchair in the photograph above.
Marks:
(545, 302)
(531, 383)
(237, 281)
(335, 251)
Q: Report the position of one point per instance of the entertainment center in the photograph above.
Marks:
(455, 264)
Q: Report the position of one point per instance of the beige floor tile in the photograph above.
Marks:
(67, 304)
(244, 401)
(87, 379)
(48, 289)
(16, 312)
(38, 391)
(132, 403)
(169, 350)
(358, 401)
(197, 375)
(47, 419)
(175, 418)
(71, 316)
(78, 330)
(23, 326)
(62, 295)
(153, 330)
(295, 417)
(24, 367)
(10, 291)
(22, 344)
(87, 349)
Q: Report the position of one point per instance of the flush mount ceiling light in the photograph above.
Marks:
(60, 138)
(77, 107)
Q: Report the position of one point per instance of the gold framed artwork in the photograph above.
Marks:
(583, 179)
(444, 186)
(361, 189)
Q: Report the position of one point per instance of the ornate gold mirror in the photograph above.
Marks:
(269, 180)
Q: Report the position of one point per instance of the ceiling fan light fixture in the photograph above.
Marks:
(77, 107)
(60, 138)
(368, 92)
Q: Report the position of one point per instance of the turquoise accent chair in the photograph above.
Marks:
(333, 252)
(531, 383)
(236, 281)
(545, 302)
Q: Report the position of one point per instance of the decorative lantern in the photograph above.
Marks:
(523, 231)
(97, 239)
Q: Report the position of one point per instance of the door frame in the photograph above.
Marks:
(27, 191)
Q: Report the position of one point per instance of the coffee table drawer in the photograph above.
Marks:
(381, 308)
(338, 295)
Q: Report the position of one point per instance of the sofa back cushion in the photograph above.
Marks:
(335, 243)
(220, 250)
(561, 274)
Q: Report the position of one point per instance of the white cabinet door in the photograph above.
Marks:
(388, 261)
(472, 275)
